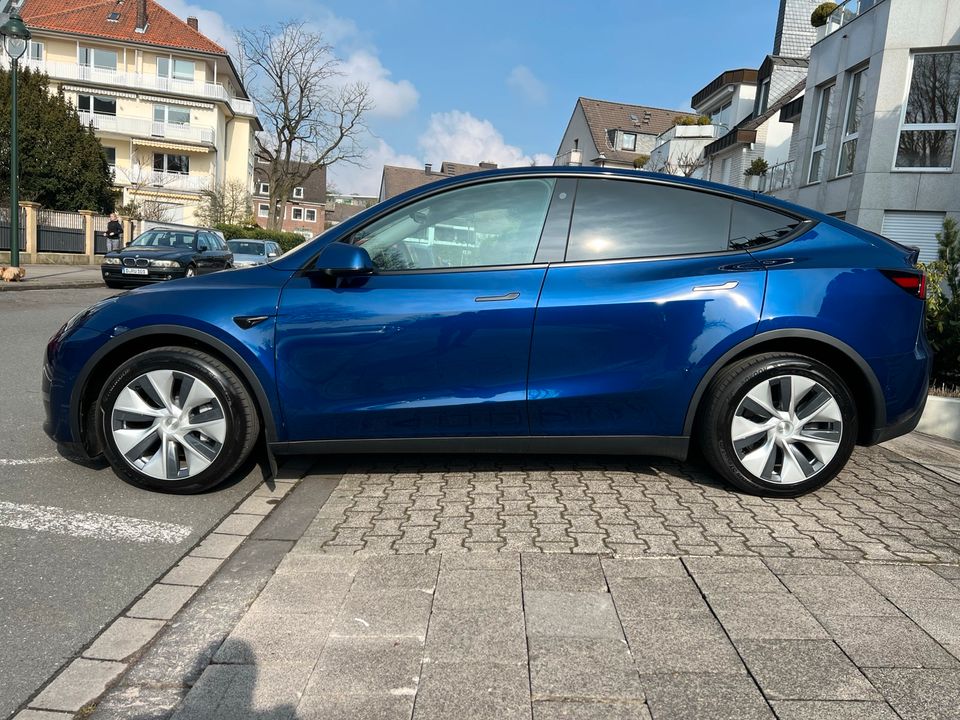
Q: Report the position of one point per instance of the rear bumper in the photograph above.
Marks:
(903, 427)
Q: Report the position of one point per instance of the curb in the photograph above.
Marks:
(118, 646)
(20, 286)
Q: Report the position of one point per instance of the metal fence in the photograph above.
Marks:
(5, 229)
(60, 232)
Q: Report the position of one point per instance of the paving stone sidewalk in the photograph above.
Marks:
(584, 588)
(56, 277)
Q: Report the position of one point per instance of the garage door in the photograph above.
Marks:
(915, 229)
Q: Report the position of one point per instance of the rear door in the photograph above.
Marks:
(650, 294)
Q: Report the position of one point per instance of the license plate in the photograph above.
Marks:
(134, 271)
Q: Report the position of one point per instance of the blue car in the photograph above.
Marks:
(536, 310)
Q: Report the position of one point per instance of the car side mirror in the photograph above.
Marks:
(202, 248)
(341, 260)
(271, 254)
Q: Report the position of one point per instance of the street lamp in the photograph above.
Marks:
(15, 37)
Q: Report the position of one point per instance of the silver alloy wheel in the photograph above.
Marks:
(190, 272)
(168, 424)
(787, 429)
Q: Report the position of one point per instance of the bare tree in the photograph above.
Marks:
(686, 163)
(227, 202)
(144, 184)
(311, 119)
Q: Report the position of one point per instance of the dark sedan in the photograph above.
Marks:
(166, 254)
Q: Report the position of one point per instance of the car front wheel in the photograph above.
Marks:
(778, 424)
(176, 419)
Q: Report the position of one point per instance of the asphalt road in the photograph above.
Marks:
(64, 576)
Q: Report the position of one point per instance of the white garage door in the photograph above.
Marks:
(914, 229)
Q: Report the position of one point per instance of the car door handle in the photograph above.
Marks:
(729, 285)
(498, 298)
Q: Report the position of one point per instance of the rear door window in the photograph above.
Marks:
(752, 225)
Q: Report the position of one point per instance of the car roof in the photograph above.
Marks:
(254, 240)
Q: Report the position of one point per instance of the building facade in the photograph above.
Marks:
(397, 180)
(304, 211)
(875, 140)
(165, 101)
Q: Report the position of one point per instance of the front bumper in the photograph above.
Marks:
(115, 274)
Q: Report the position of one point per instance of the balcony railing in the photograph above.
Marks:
(148, 179)
(844, 13)
(137, 81)
(147, 128)
(778, 177)
(571, 157)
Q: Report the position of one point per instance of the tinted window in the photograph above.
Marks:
(754, 225)
(165, 238)
(622, 219)
(246, 247)
(491, 224)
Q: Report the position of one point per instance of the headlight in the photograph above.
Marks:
(246, 264)
(111, 261)
(164, 263)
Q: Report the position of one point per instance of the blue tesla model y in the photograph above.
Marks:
(549, 310)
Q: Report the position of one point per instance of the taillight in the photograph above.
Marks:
(914, 283)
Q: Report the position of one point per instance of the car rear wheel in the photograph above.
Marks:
(176, 419)
(778, 424)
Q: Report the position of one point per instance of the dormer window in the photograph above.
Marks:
(628, 142)
(298, 193)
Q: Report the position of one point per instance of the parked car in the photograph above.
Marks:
(249, 252)
(166, 254)
(552, 310)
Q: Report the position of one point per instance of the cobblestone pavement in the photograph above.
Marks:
(610, 589)
(882, 507)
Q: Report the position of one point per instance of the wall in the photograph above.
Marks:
(578, 128)
(795, 34)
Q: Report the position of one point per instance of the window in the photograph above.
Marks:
(928, 132)
(35, 51)
(264, 188)
(296, 213)
(111, 154)
(497, 223)
(820, 133)
(721, 116)
(629, 142)
(263, 210)
(298, 193)
(311, 215)
(97, 58)
(176, 68)
(615, 219)
(618, 219)
(96, 104)
(851, 124)
(171, 114)
(164, 162)
(725, 171)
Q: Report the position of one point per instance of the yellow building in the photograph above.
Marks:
(165, 100)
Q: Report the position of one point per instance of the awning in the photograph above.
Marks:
(171, 146)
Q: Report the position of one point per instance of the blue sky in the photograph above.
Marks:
(497, 80)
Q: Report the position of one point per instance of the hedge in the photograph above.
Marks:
(287, 240)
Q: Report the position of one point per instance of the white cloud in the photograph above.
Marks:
(527, 85)
(391, 99)
(460, 137)
(366, 180)
(211, 24)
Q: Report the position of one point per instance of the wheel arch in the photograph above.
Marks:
(863, 383)
(125, 346)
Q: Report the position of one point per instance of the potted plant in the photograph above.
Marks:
(821, 13)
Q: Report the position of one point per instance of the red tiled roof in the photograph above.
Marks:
(89, 17)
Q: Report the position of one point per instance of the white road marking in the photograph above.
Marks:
(9, 462)
(41, 518)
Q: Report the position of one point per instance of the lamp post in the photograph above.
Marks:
(15, 36)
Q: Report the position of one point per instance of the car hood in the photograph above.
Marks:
(154, 253)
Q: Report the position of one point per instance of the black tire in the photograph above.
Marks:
(191, 271)
(242, 421)
(721, 403)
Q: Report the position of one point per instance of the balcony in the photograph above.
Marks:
(778, 177)
(144, 178)
(688, 131)
(136, 81)
(571, 157)
(845, 13)
(143, 127)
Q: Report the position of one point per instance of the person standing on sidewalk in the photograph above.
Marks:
(114, 233)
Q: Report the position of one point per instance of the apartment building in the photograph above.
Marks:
(875, 133)
(303, 212)
(166, 101)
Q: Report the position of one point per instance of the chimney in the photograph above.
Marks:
(193, 23)
(427, 168)
(141, 15)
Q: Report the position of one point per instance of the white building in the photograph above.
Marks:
(875, 139)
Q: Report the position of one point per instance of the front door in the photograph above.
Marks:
(436, 343)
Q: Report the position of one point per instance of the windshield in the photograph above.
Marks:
(183, 239)
(246, 247)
